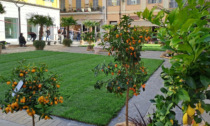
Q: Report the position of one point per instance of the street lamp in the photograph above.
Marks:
(17, 3)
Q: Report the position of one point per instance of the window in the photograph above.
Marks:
(113, 22)
(154, 1)
(113, 2)
(49, 0)
(133, 2)
(95, 4)
(11, 28)
(62, 5)
(173, 4)
(78, 5)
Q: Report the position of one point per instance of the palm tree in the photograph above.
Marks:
(67, 22)
(1, 9)
(90, 24)
(42, 21)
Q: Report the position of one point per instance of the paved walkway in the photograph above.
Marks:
(142, 101)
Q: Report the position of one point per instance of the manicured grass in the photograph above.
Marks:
(81, 101)
(152, 47)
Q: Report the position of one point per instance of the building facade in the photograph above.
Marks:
(107, 11)
(9, 21)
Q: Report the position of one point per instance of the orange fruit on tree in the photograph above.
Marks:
(40, 85)
(115, 65)
(120, 34)
(141, 36)
(58, 86)
(21, 74)
(15, 83)
(33, 70)
(139, 41)
(46, 70)
(8, 82)
(112, 73)
(117, 36)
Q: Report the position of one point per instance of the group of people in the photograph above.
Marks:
(62, 33)
(33, 36)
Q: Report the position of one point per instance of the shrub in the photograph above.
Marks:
(38, 91)
(184, 31)
(67, 42)
(39, 45)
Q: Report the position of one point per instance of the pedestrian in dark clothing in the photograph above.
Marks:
(78, 35)
(64, 33)
(33, 36)
(48, 34)
(22, 40)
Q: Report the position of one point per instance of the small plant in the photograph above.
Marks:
(67, 42)
(1, 9)
(32, 88)
(39, 45)
(139, 120)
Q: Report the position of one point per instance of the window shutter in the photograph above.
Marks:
(138, 1)
(109, 2)
(118, 2)
(128, 2)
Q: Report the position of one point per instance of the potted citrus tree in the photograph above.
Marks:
(31, 88)
(128, 72)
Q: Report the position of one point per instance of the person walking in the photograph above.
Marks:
(33, 36)
(78, 35)
(22, 40)
(48, 34)
(71, 34)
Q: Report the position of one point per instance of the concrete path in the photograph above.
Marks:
(142, 101)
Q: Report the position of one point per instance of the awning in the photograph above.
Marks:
(142, 23)
(81, 21)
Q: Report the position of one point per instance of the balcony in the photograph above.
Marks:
(83, 10)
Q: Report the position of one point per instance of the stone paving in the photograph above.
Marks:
(142, 101)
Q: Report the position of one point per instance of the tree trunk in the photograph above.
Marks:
(126, 113)
(67, 36)
(33, 122)
(95, 34)
(40, 32)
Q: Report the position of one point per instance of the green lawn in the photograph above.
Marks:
(81, 101)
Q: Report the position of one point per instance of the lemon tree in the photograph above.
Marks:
(128, 71)
(185, 31)
(38, 92)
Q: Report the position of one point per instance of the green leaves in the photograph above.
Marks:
(191, 83)
(183, 95)
(205, 81)
(68, 21)
(1, 9)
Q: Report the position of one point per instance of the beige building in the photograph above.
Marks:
(108, 11)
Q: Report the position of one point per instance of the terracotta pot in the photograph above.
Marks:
(81, 42)
(90, 48)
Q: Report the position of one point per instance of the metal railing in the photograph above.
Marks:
(86, 9)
